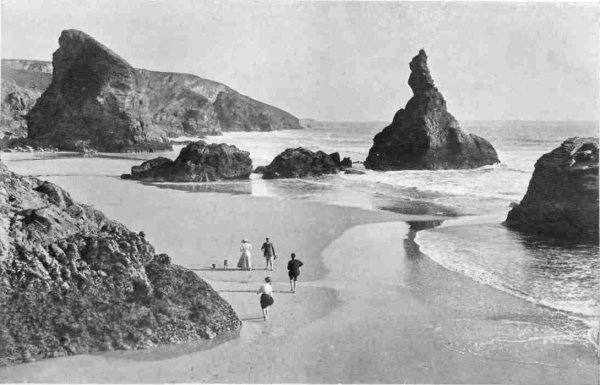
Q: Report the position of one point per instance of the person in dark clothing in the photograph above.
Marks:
(269, 252)
(294, 271)
(266, 297)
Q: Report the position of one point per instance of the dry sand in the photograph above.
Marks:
(369, 306)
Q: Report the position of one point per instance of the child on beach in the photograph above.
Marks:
(294, 271)
(266, 297)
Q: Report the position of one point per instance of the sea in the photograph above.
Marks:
(560, 275)
(470, 240)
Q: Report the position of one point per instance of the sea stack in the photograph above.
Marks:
(424, 135)
(97, 100)
(73, 281)
(562, 197)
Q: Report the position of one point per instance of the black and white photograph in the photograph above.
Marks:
(288, 191)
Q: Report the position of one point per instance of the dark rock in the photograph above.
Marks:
(354, 172)
(73, 281)
(424, 135)
(562, 197)
(97, 100)
(300, 162)
(137, 172)
(55, 194)
(260, 170)
(162, 259)
(197, 162)
(346, 162)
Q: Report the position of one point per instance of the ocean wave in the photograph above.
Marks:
(438, 248)
(480, 183)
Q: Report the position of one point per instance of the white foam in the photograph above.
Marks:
(450, 253)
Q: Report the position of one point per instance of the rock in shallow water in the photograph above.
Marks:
(300, 162)
(562, 197)
(73, 281)
(197, 162)
(424, 135)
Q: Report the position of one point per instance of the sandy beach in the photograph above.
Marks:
(369, 307)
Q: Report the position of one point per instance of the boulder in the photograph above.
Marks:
(424, 135)
(72, 281)
(300, 162)
(98, 100)
(562, 197)
(197, 162)
(260, 170)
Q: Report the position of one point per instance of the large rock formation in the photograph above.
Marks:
(424, 135)
(73, 281)
(197, 162)
(562, 197)
(98, 100)
(300, 162)
(23, 82)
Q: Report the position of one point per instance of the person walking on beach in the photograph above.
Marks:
(269, 252)
(245, 261)
(266, 297)
(294, 271)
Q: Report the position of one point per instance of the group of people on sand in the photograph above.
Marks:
(266, 289)
(245, 261)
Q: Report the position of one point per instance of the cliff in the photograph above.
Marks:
(98, 100)
(23, 82)
(562, 197)
(424, 135)
(72, 281)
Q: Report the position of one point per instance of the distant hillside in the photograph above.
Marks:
(23, 82)
(95, 97)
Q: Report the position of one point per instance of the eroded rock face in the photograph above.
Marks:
(197, 162)
(23, 82)
(72, 281)
(562, 197)
(424, 135)
(300, 162)
(99, 99)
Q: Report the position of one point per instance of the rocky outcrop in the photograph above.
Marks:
(562, 197)
(98, 99)
(23, 82)
(197, 162)
(424, 135)
(72, 281)
(300, 162)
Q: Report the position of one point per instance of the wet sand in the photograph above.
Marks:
(369, 307)
(387, 316)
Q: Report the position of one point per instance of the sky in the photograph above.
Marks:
(345, 61)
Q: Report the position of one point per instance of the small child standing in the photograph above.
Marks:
(294, 271)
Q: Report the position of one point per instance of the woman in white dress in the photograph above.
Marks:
(245, 261)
